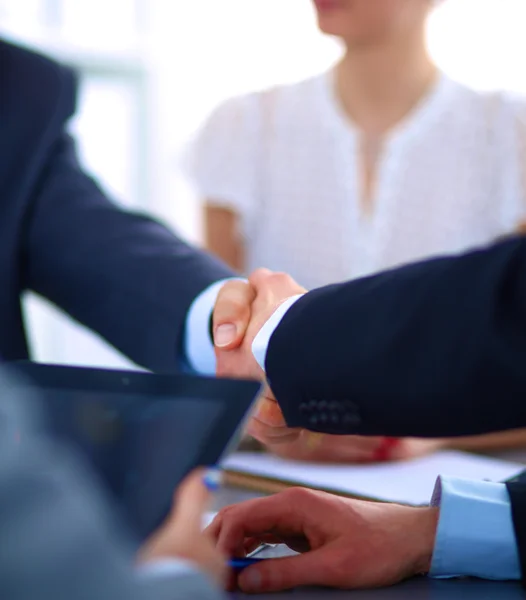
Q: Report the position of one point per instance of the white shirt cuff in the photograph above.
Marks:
(262, 339)
(199, 348)
(167, 567)
(475, 535)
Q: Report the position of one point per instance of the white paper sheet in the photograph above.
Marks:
(409, 482)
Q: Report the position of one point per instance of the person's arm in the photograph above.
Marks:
(434, 349)
(502, 440)
(123, 275)
(467, 531)
(222, 235)
(178, 550)
(478, 443)
(222, 164)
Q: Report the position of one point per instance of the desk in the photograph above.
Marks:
(416, 589)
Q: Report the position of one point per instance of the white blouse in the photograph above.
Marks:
(451, 176)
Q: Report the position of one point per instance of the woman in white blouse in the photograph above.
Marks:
(380, 161)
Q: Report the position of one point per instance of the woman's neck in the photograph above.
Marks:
(378, 86)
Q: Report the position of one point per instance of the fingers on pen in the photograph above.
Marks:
(281, 512)
(282, 574)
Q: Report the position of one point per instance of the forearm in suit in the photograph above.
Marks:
(436, 348)
(123, 275)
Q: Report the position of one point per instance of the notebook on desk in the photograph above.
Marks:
(407, 482)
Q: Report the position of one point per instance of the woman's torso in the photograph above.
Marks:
(449, 179)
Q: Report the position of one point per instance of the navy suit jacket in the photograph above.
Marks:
(434, 349)
(123, 275)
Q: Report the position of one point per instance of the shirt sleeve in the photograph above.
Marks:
(475, 535)
(220, 162)
(198, 344)
(262, 339)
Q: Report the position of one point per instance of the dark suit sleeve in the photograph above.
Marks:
(123, 275)
(517, 493)
(433, 349)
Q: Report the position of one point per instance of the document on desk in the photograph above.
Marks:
(407, 482)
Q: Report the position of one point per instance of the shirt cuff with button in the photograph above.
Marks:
(475, 535)
(198, 346)
(262, 339)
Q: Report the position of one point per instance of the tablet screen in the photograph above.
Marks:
(141, 433)
(160, 455)
(97, 425)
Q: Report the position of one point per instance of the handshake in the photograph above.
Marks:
(245, 309)
(242, 309)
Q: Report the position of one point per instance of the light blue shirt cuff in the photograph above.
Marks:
(262, 339)
(167, 567)
(198, 346)
(475, 535)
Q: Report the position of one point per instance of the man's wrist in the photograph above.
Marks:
(426, 526)
(262, 339)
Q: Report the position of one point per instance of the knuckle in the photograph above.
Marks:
(226, 510)
(226, 289)
(284, 277)
(234, 289)
(259, 276)
(299, 495)
(260, 272)
(236, 303)
(233, 304)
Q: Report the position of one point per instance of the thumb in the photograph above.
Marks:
(232, 313)
(277, 574)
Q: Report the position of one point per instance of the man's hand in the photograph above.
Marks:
(181, 534)
(343, 543)
(232, 312)
(266, 291)
(237, 302)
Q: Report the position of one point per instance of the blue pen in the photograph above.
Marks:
(242, 563)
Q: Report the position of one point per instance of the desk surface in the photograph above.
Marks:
(416, 589)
